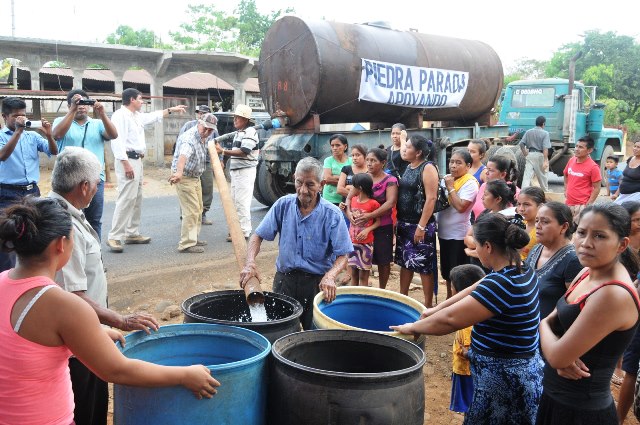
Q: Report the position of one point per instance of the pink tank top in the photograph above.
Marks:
(35, 386)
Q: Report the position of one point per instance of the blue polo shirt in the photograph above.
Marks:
(309, 243)
(93, 141)
(23, 165)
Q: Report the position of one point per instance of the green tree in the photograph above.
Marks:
(212, 29)
(127, 36)
(602, 76)
(527, 69)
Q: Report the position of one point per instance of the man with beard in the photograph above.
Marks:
(313, 245)
(76, 128)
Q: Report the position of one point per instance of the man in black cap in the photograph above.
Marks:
(206, 179)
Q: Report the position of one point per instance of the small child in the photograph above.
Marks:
(462, 277)
(362, 236)
(613, 176)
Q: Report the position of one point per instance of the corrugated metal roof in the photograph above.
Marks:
(251, 85)
(190, 80)
(199, 81)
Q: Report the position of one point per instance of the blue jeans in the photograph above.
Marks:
(10, 196)
(93, 212)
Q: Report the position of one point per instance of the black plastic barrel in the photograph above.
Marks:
(231, 308)
(345, 377)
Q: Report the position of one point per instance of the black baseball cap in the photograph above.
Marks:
(203, 108)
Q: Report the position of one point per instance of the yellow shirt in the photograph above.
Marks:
(460, 362)
(532, 241)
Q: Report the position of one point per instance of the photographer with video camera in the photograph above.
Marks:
(76, 128)
(19, 161)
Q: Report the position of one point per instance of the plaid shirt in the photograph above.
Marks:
(191, 146)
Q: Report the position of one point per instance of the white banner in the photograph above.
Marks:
(411, 86)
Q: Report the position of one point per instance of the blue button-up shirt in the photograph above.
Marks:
(23, 165)
(309, 243)
(93, 133)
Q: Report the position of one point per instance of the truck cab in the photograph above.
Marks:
(570, 116)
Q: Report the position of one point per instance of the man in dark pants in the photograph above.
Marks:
(313, 243)
(206, 179)
(19, 163)
(74, 180)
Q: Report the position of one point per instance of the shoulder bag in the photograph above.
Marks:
(442, 201)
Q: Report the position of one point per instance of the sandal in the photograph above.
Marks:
(616, 380)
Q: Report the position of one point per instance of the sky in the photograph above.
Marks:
(515, 29)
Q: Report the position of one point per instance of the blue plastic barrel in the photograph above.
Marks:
(365, 308)
(237, 358)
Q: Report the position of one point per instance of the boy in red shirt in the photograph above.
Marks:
(581, 178)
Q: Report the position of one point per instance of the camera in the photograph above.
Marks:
(33, 124)
(86, 102)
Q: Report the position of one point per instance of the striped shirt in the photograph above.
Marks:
(512, 296)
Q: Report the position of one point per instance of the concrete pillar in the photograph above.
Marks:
(78, 72)
(155, 146)
(118, 75)
(35, 79)
(239, 95)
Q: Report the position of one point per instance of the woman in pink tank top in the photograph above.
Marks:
(41, 325)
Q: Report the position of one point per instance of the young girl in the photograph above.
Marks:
(529, 202)
(477, 149)
(462, 277)
(497, 196)
(362, 202)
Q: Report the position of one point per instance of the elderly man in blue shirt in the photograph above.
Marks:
(19, 160)
(313, 245)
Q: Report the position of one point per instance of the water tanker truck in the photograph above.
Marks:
(316, 76)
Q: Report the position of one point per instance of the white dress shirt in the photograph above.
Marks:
(130, 126)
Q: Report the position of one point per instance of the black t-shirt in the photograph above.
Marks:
(630, 180)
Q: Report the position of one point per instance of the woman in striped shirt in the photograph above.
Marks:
(503, 309)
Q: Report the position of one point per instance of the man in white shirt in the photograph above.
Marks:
(128, 150)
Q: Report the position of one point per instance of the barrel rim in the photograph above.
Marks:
(137, 338)
(297, 309)
(312, 336)
(374, 292)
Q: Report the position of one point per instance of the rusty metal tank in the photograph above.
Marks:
(313, 67)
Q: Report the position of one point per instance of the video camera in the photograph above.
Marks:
(90, 102)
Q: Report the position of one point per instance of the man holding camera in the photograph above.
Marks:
(128, 150)
(76, 128)
(19, 160)
(206, 179)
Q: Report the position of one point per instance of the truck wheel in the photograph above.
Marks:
(257, 194)
(515, 154)
(607, 151)
(492, 151)
(270, 186)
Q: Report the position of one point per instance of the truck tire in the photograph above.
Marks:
(607, 151)
(492, 151)
(256, 189)
(515, 154)
(271, 187)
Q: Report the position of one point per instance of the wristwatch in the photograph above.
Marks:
(424, 229)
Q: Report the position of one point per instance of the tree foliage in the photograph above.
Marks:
(127, 36)
(609, 61)
(212, 29)
(526, 69)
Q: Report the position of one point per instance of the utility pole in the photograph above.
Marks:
(13, 34)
